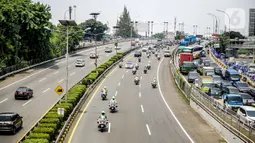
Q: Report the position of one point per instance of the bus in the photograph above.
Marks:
(196, 51)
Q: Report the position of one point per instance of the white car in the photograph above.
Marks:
(246, 114)
(129, 65)
(144, 49)
(93, 55)
(108, 50)
(117, 48)
(80, 63)
(167, 53)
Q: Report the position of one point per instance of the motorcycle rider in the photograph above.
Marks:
(134, 69)
(113, 101)
(105, 90)
(137, 78)
(154, 81)
(103, 116)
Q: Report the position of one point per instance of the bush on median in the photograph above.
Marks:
(48, 125)
(39, 136)
(53, 115)
(45, 130)
(36, 141)
(50, 120)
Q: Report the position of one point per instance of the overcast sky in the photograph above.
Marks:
(188, 11)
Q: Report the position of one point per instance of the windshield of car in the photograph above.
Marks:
(193, 74)
(78, 61)
(215, 91)
(208, 85)
(5, 118)
(208, 73)
(129, 63)
(246, 96)
(21, 89)
(217, 78)
(242, 84)
(235, 76)
(251, 113)
(206, 63)
(233, 90)
(167, 51)
(235, 99)
(213, 65)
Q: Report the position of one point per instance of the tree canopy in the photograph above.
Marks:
(124, 25)
(94, 29)
(159, 35)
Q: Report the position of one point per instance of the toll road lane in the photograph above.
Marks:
(44, 94)
(141, 117)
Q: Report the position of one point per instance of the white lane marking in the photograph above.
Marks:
(56, 72)
(72, 73)
(122, 76)
(141, 77)
(3, 100)
(46, 90)
(161, 94)
(127, 71)
(140, 95)
(148, 129)
(60, 80)
(140, 84)
(109, 128)
(42, 79)
(116, 93)
(142, 108)
(119, 84)
(27, 102)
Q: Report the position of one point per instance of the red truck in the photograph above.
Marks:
(185, 57)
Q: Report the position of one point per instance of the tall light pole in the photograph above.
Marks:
(148, 30)
(116, 44)
(95, 14)
(74, 12)
(67, 23)
(228, 20)
(151, 30)
(213, 16)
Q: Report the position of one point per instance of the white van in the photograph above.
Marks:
(80, 63)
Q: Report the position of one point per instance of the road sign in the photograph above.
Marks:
(61, 111)
(59, 90)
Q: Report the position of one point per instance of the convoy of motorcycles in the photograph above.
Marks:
(103, 122)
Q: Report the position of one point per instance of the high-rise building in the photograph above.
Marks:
(252, 22)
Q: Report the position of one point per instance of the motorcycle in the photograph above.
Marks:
(159, 58)
(139, 60)
(134, 72)
(154, 84)
(149, 67)
(145, 71)
(120, 65)
(113, 107)
(137, 66)
(136, 81)
(103, 95)
(156, 54)
(102, 124)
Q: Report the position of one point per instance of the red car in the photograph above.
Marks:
(23, 92)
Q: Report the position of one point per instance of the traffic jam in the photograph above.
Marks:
(229, 93)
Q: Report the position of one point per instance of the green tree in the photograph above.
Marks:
(159, 35)
(94, 29)
(124, 25)
(22, 32)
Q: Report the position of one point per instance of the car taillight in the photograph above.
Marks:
(25, 92)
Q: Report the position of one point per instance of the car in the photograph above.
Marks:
(230, 90)
(213, 64)
(80, 63)
(23, 92)
(246, 114)
(224, 83)
(144, 49)
(10, 122)
(216, 79)
(93, 55)
(215, 93)
(241, 86)
(218, 71)
(137, 54)
(207, 63)
(192, 76)
(167, 53)
(108, 50)
(117, 48)
(129, 65)
(247, 98)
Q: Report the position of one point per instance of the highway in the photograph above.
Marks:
(143, 116)
(44, 81)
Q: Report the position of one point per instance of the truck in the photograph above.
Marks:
(185, 57)
(187, 66)
(204, 83)
(229, 102)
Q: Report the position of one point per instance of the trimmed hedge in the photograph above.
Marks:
(52, 121)
(36, 141)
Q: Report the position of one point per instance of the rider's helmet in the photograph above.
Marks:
(103, 113)
(113, 98)
(104, 87)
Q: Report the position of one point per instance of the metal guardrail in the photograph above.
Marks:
(226, 118)
(79, 104)
(54, 59)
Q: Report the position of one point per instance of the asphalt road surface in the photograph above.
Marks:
(143, 114)
(44, 81)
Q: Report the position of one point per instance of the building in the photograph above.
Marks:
(252, 22)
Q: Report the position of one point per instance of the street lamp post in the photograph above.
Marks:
(228, 19)
(116, 44)
(67, 23)
(95, 14)
(131, 33)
